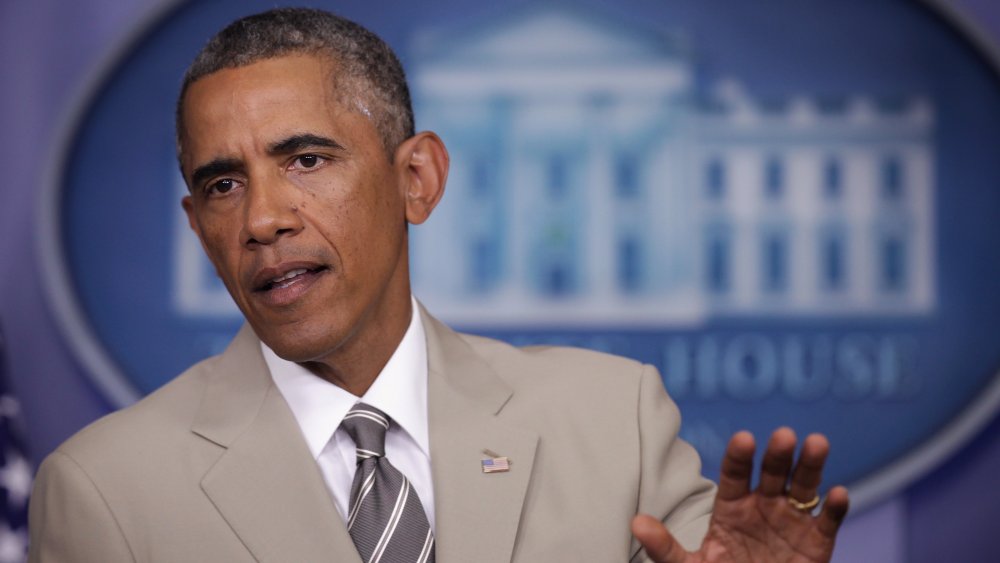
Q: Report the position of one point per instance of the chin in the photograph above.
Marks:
(297, 346)
(296, 351)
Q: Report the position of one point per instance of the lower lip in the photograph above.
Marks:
(289, 291)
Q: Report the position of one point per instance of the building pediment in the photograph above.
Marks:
(549, 34)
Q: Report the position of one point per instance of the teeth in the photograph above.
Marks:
(290, 275)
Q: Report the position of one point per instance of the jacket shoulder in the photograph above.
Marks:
(555, 362)
(575, 380)
(151, 424)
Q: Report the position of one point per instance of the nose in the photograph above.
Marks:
(270, 212)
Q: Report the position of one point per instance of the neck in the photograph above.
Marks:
(356, 364)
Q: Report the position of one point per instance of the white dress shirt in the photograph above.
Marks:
(400, 391)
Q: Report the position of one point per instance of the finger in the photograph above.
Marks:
(834, 511)
(659, 544)
(777, 462)
(809, 470)
(737, 467)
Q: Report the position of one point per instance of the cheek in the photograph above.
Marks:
(356, 212)
(217, 241)
(339, 202)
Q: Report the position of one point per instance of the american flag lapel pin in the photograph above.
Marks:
(494, 463)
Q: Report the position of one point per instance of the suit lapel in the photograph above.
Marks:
(268, 488)
(477, 514)
(266, 484)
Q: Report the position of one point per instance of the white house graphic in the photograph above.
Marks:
(592, 184)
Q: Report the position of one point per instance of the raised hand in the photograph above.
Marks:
(773, 523)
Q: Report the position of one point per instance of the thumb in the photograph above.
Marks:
(659, 544)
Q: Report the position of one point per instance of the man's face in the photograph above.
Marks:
(297, 204)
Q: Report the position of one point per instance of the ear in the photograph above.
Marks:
(422, 160)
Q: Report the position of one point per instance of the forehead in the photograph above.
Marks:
(264, 101)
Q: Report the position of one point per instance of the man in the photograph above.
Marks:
(344, 423)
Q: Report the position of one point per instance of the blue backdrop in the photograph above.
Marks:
(900, 366)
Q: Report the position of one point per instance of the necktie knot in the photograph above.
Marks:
(366, 425)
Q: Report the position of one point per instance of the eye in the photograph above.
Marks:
(220, 187)
(307, 161)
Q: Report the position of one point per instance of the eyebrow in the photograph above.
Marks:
(215, 167)
(288, 145)
(298, 142)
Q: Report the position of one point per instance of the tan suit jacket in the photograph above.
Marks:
(213, 467)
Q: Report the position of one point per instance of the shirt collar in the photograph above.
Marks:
(400, 391)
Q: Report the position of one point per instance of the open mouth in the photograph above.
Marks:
(291, 278)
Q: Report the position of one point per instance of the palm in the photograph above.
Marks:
(747, 528)
(760, 525)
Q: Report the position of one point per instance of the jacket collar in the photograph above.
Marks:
(477, 513)
(265, 484)
(268, 487)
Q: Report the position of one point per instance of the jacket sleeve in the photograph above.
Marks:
(671, 486)
(68, 518)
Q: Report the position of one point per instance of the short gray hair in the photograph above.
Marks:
(376, 74)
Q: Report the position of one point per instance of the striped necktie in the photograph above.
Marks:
(385, 520)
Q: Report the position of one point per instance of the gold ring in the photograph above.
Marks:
(804, 506)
